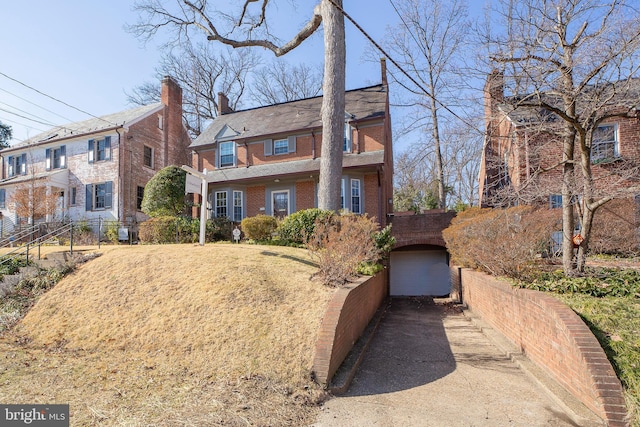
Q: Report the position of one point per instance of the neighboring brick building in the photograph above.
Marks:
(98, 167)
(523, 153)
(266, 160)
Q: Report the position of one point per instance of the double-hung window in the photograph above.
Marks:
(139, 197)
(99, 196)
(355, 196)
(280, 146)
(148, 157)
(346, 146)
(99, 150)
(55, 158)
(3, 198)
(555, 201)
(17, 165)
(227, 154)
(237, 206)
(604, 143)
(221, 204)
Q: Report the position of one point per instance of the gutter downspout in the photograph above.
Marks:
(313, 145)
(246, 150)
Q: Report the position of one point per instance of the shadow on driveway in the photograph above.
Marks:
(428, 365)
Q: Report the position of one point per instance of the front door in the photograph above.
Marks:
(280, 204)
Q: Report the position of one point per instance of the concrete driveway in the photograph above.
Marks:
(429, 365)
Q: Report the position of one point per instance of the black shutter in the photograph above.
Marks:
(107, 148)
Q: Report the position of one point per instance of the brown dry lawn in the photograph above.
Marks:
(173, 335)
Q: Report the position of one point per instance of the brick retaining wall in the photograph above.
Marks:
(551, 335)
(348, 314)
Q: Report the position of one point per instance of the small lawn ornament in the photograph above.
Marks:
(236, 234)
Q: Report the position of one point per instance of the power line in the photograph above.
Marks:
(22, 124)
(55, 99)
(23, 111)
(33, 103)
(402, 70)
(25, 117)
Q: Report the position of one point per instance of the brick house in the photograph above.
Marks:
(98, 167)
(266, 160)
(523, 152)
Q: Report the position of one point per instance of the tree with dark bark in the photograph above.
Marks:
(248, 26)
(429, 44)
(576, 60)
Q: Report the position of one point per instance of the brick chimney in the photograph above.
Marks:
(223, 104)
(171, 98)
(383, 70)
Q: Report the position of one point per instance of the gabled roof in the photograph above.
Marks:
(94, 125)
(294, 116)
(621, 94)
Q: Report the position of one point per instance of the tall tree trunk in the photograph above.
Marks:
(442, 202)
(568, 221)
(333, 120)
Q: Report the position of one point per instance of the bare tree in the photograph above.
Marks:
(428, 44)
(32, 201)
(281, 82)
(575, 60)
(248, 26)
(202, 73)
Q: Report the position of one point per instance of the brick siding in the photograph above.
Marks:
(422, 229)
(551, 335)
(348, 314)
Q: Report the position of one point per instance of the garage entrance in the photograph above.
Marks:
(419, 271)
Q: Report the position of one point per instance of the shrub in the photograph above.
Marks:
(172, 229)
(164, 193)
(111, 231)
(384, 242)
(300, 226)
(503, 242)
(157, 230)
(259, 227)
(615, 229)
(341, 245)
(83, 233)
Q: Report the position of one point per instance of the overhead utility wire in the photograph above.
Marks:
(414, 81)
(23, 111)
(4, 119)
(57, 100)
(25, 117)
(39, 106)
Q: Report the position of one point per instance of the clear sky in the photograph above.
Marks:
(78, 51)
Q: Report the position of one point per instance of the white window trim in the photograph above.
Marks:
(616, 144)
(234, 152)
(215, 203)
(285, 141)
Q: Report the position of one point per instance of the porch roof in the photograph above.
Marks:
(281, 169)
(57, 178)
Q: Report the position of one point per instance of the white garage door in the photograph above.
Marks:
(424, 273)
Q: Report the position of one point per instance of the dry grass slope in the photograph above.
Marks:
(213, 335)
